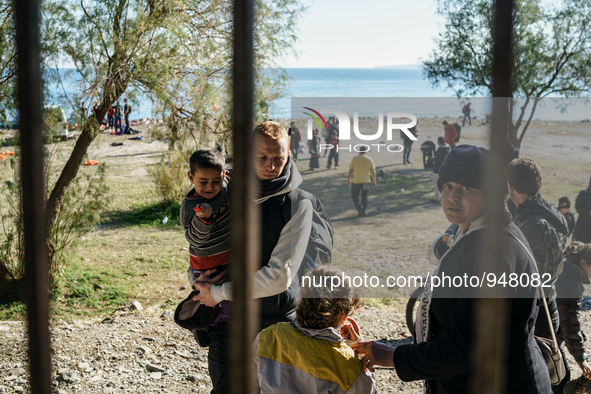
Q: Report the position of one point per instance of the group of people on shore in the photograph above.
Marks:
(308, 342)
(114, 114)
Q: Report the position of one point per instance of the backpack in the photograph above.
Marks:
(319, 249)
(465, 109)
(458, 130)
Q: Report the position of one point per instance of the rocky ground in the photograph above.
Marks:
(139, 352)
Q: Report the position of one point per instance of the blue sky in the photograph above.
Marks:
(365, 33)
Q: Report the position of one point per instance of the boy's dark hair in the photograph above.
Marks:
(207, 158)
(525, 176)
(564, 202)
(319, 307)
(576, 252)
(440, 140)
(444, 123)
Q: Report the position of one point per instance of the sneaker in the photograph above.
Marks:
(336, 168)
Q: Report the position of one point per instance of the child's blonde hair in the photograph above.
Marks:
(320, 307)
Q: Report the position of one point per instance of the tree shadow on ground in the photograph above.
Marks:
(404, 189)
(153, 214)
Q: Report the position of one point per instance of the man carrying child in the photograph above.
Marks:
(283, 246)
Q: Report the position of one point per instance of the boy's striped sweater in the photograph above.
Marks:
(209, 240)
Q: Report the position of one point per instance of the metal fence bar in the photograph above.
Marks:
(245, 215)
(33, 196)
(491, 336)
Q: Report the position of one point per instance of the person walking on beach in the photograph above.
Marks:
(451, 134)
(440, 155)
(583, 207)
(294, 140)
(334, 141)
(360, 169)
(466, 111)
(407, 145)
(313, 146)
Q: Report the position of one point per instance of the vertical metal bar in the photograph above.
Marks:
(245, 216)
(491, 342)
(33, 196)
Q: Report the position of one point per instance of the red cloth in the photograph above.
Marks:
(450, 134)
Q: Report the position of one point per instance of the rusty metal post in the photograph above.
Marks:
(491, 343)
(34, 218)
(245, 215)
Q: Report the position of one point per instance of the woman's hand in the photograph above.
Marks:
(585, 368)
(350, 330)
(374, 353)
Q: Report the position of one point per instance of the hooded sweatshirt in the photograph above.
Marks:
(543, 226)
(290, 359)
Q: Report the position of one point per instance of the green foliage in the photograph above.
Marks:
(149, 215)
(7, 62)
(551, 51)
(170, 177)
(78, 213)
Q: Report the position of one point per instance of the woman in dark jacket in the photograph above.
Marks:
(445, 323)
(569, 288)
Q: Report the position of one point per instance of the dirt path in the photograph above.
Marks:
(127, 353)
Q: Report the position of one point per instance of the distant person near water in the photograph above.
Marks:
(334, 142)
(360, 169)
(313, 146)
(408, 144)
(583, 207)
(126, 111)
(451, 134)
(440, 155)
(111, 116)
(117, 117)
(294, 140)
(466, 111)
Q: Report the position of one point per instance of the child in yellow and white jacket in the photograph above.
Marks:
(312, 354)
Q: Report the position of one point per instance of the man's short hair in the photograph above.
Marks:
(445, 123)
(272, 130)
(440, 140)
(525, 176)
(207, 158)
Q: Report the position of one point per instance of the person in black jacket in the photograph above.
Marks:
(542, 225)
(440, 155)
(283, 246)
(569, 288)
(564, 208)
(583, 207)
(445, 321)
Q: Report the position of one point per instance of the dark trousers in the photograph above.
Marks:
(559, 388)
(294, 153)
(406, 153)
(464, 121)
(217, 359)
(333, 155)
(117, 123)
(127, 120)
(356, 189)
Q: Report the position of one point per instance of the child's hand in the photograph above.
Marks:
(350, 330)
(204, 211)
